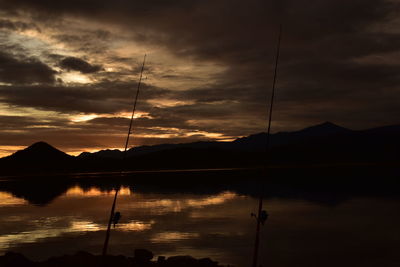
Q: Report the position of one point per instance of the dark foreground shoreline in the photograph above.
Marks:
(141, 258)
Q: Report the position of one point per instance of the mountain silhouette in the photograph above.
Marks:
(248, 143)
(37, 158)
(326, 128)
(106, 153)
(38, 152)
(258, 141)
(324, 143)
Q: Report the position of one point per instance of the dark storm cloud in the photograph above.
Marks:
(76, 136)
(13, 122)
(241, 31)
(235, 31)
(28, 123)
(205, 117)
(106, 97)
(115, 97)
(24, 71)
(147, 125)
(222, 93)
(114, 121)
(77, 64)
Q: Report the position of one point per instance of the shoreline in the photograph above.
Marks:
(141, 257)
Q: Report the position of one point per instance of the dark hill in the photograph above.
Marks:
(255, 142)
(258, 141)
(38, 152)
(106, 153)
(39, 157)
(326, 128)
(144, 150)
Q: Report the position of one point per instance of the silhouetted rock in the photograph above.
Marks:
(85, 259)
(182, 261)
(143, 255)
(81, 258)
(161, 259)
(207, 262)
(12, 259)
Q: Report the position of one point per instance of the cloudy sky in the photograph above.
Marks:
(69, 69)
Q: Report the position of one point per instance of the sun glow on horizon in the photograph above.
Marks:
(8, 150)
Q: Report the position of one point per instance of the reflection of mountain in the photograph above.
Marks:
(37, 193)
(326, 143)
(313, 184)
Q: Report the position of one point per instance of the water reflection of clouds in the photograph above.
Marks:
(213, 225)
(93, 191)
(85, 226)
(212, 200)
(6, 199)
(74, 226)
(162, 206)
(162, 221)
(7, 241)
(166, 237)
(135, 226)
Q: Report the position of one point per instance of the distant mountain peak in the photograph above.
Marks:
(40, 150)
(105, 153)
(324, 128)
(328, 123)
(40, 145)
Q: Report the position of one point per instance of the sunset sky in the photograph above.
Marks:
(69, 69)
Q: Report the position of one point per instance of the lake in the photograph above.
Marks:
(350, 231)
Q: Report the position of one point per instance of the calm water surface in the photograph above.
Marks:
(356, 232)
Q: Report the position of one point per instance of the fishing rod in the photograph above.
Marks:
(262, 215)
(114, 216)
